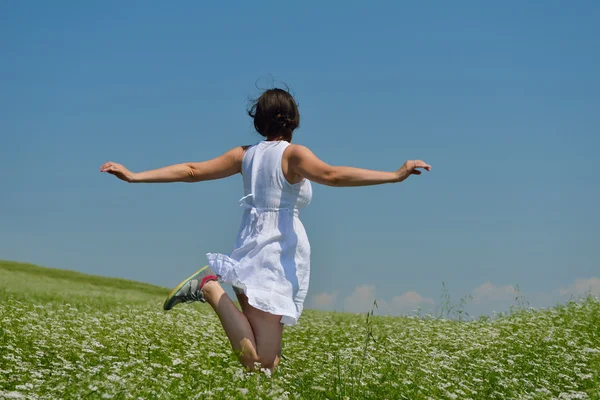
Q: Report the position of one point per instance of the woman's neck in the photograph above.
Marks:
(278, 138)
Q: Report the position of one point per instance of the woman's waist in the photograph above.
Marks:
(258, 210)
(249, 202)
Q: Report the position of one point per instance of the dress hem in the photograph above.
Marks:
(225, 268)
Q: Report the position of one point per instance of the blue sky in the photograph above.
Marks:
(501, 99)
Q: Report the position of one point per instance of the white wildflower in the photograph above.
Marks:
(12, 395)
(266, 371)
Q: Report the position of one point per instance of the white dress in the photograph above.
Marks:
(270, 262)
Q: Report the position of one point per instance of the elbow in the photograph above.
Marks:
(191, 175)
(332, 177)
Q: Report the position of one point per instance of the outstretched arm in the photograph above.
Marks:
(306, 164)
(225, 165)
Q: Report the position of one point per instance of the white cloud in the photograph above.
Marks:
(486, 299)
(361, 299)
(324, 301)
(577, 289)
(489, 292)
(363, 296)
(582, 287)
(489, 297)
(408, 302)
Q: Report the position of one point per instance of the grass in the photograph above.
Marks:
(66, 335)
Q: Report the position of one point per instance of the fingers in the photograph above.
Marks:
(109, 166)
(117, 170)
(419, 164)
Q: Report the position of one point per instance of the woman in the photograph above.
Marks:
(270, 264)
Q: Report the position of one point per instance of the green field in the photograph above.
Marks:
(66, 335)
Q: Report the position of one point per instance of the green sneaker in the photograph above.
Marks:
(190, 290)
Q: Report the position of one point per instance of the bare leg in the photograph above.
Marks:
(268, 332)
(236, 325)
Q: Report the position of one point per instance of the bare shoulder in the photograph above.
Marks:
(231, 159)
(297, 151)
(237, 153)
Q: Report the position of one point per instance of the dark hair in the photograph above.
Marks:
(275, 114)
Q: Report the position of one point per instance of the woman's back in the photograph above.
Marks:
(265, 186)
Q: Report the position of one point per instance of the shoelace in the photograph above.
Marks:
(192, 296)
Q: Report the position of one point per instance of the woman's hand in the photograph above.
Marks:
(411, 168)
(118, 170)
